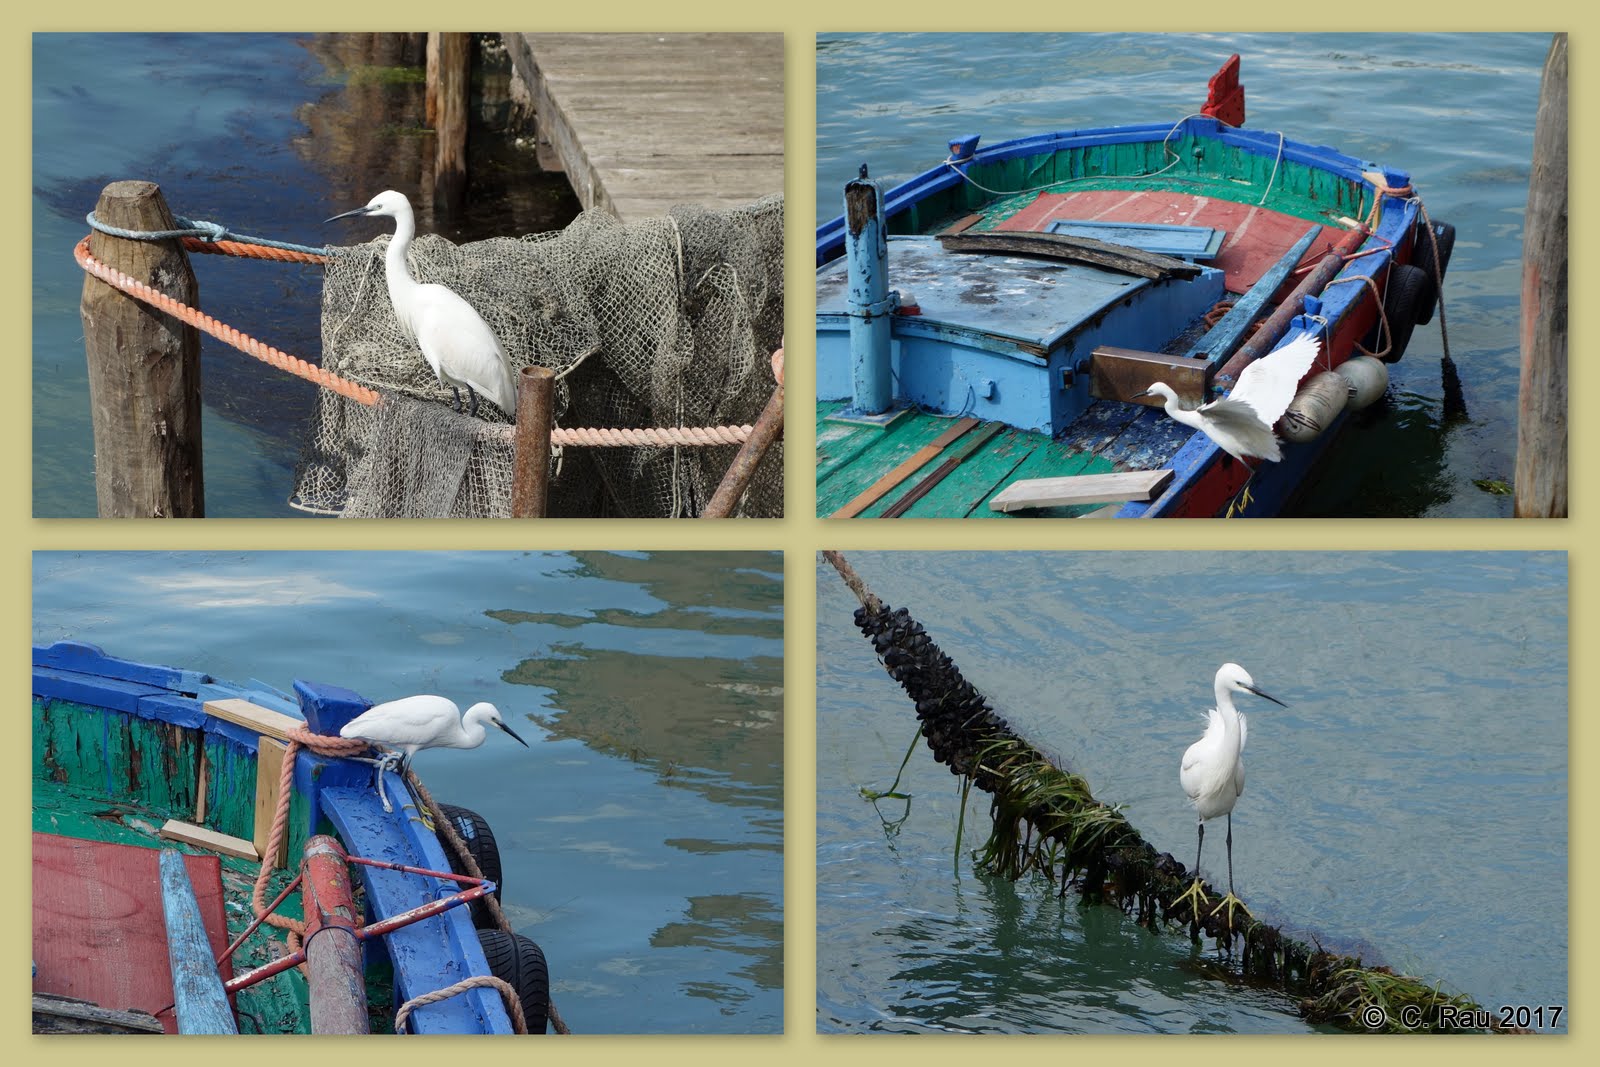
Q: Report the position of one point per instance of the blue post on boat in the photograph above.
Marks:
(869, 302)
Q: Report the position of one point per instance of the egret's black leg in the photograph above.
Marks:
(457, 394)
(473, 410)
(1230, 902)
(1197, 890)
(1230, 852)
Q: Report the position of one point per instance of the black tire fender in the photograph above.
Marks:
(519, 961)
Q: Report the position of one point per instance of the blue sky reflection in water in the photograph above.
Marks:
(1410, 805)
(1456, 111)
(642, 831)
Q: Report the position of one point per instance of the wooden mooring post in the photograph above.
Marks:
(530, 471)
(449, 85)
(1541, 477)
(144, 367)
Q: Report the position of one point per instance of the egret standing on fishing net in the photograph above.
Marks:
(460, 347)
(1212, 774)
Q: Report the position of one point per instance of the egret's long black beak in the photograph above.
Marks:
(350, 214)
(1268, 696)
(1136, 396)
(523, 743)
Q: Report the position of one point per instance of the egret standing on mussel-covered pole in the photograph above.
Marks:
(1241, 422)
(1212, 774)
(408, 725)
(459, 346)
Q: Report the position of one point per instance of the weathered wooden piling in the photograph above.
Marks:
(530, 472)
(144, 367)
(1541, 477)
(449, 83)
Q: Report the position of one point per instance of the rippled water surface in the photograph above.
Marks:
(1409, 805)
(1456, 111)
(641, 831)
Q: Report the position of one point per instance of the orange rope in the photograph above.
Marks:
(250, 251)
(223, 332)
(604, 438)
(298, 737)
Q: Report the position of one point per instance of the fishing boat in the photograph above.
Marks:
(985, 329)
(159, 794)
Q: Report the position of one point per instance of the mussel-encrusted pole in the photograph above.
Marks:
(1046, 818)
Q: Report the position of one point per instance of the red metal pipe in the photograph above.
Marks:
(231, 949)
(332, 941)
(481, 887)
(1277, 324)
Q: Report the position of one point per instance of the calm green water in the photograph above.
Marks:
(1454, 110)
(1409, 805)
(641, 831)
(268, 134)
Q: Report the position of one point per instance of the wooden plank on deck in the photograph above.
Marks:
(644, 121)
(210, 840)
(254, 716)
(1080, 489)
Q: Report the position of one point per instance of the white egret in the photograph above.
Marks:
(1212, 774)
(459, 346)
(1241, 422)
(408, 725)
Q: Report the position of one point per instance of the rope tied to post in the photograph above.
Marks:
(601, 437)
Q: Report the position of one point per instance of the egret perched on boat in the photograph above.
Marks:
(1241, 422)
(459, 346)
(408, 725)
(1212, 774)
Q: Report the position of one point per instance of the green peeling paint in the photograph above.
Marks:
(1198, 166)
(854, 457)
(101, 775)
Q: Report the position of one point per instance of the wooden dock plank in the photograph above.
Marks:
(644, 121)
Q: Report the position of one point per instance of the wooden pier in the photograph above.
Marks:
(642, 121)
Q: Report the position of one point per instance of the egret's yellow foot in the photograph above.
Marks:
(1198, 893)
(1230, 902)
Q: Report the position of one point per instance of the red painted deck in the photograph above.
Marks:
(98, 930)
(1256, 237)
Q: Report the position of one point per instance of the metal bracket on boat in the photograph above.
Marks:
(886, 306)
(1124, 373)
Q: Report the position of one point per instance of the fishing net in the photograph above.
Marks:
(663, 322)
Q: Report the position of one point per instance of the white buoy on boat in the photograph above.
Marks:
(1368, 378)
(1314, 407)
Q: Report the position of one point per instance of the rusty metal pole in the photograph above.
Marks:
(332, 945)
(144, 367)
(766, 430)
(1277, 324)
(530, 474)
